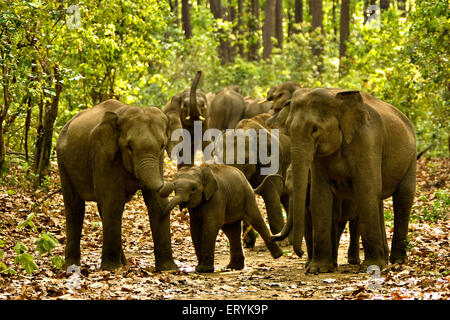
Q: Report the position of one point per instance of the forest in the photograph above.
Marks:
(58, 58)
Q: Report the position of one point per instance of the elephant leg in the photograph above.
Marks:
(322, 224)
(74, 213)
(383, 232)
(195, 226)
(233, 233)
(403, 200)
(338, 226)
(250, 237)
(254, 217)
(368, 208)
(353, 249)
(160, 226)
(111, 211)
(208, 242)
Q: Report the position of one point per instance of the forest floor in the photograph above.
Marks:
(426, 276)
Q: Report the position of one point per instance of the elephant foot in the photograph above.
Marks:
(318, 266)
(204, 268)
(381, 263)
(236, 265)
(354, 260)
(110, 265)
(398, 256)
(250, 239)
(166, 266)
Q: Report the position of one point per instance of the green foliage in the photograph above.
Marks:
(46, 243)
(134, 51)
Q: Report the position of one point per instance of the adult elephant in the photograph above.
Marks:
(358, 148)
(274, 192)
(182, 110)
(281, 95)
(227, 109)
(105, 154)
(255, 107)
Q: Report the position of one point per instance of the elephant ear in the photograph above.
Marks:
(105, 136)
(209, 183)
(353, 113)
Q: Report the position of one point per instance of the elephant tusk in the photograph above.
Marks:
(188, 117)
(263, 101)
(201, 118)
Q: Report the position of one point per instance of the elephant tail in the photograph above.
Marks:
(259, 188)
(420, 154)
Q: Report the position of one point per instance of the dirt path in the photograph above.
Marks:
(427, 275)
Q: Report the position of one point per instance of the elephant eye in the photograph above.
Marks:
(129, 147)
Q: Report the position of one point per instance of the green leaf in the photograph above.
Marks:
(46, 243)
(58, 261)
(27, 262)
(20, 247)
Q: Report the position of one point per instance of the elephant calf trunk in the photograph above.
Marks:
(259, 188)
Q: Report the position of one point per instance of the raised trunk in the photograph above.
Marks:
(194, 111)
(301, 163)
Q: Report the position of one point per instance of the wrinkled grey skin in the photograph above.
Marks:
(274, 193)
(343, 211)
(255, 107)
(226, 109)
(219, 197)
(358, 148)
(185, 108)
(105, 154)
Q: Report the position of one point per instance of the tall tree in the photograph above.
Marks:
(186, 18)
(279, 22)
(317, 22)
(225, 50)
(174, 9)
(384, 4)
(268, 28)
(253, 30)
(344, 29)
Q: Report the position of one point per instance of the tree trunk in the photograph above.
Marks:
(279, 22)
(45, 134)
(4, 113)
(384, 4)
(298, 11)
(186, 18)
(174, 9)
(268, 28)
(253, 30)
(239, 28)
(344, 30)
(316, 22)
(225, 50)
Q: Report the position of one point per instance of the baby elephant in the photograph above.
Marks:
(219, 197)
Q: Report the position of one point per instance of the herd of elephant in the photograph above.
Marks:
(341, 152)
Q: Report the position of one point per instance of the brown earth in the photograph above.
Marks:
(426, 276)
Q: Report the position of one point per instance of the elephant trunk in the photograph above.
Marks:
(194, 111)
(287, 227)
(259, 188)
(177, 200)
(301, 163)
(149, 174)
